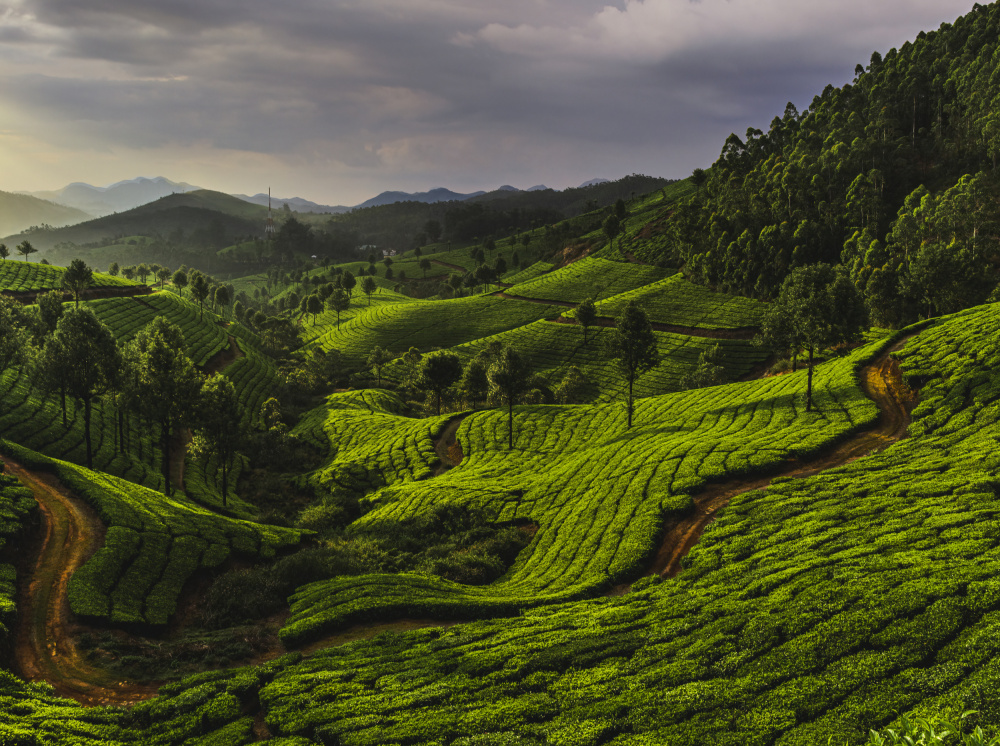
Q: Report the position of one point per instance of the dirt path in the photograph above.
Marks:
(448, 449)
(882, 382)
(71, 533)
(457, 267)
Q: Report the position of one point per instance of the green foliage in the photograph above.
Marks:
(589, 278)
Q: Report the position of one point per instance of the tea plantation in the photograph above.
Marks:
(816, 609)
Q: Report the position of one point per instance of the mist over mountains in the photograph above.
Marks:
(125, 195)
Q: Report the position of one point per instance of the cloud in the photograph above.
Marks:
(358, 96)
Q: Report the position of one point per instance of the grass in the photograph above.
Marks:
(589, 277)
(674, 300)
(18, 276)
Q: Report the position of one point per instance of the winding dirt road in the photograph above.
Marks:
(45, 651)
(882, 382)
(71, 533)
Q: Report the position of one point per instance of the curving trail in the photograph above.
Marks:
(882, 382)
(72, 532)
(45, 651)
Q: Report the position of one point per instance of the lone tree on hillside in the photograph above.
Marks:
(222, 297)
(439, 371)
(77, 278)
(219, 429)
(180, 280)
(369, 286)
(338, 302)
(586, 315)
(348, 281)
(475, 383)
(90, 364)
(612, 227)
(824, 308)
(632, 346)
(314, 306)
(378, 359)
(425, 264)
(509, 376)
(200, 289)
(113, 269)
(25, 249)
(162, 274)
(4, 251)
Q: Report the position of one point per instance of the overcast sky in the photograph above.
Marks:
(337, 100)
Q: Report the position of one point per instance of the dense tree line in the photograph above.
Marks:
(893, 175)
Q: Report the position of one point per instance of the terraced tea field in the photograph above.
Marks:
(18, 277)
(552, 348)
(676, 301)
(428, 324)
(599, 518)
(590, 277)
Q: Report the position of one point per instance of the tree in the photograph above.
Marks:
(25, 249)
(180, 280)
(425, 264)
(219, 427)
(438, 371)
(369, 286)
(77, 278)
(499, 268)
(222, 297)
(612, 226)
(824, 308)
(50, 309)
(199, 289)
(168, 385)
(314, 305)
(710, 370)
(143, 271)
(475, 383)
(586, 315)
(113, 269)
(162, 274)
(338, 302)
(377, 359)
(573, 387)
(433, 230)
(509, 376)
(632, 346)
(90, 362)
(4, 251)
(128, 272)
(348, 281)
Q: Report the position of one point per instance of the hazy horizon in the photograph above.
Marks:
(338, 101)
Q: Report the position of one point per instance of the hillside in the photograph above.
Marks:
(18, 212)
(641, 473)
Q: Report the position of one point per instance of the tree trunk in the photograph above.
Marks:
(630, 381)
(62, 394)
(809, 382)
(165, 439)
(86, 433)
(225, 480)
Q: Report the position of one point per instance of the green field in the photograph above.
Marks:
(429, 324)
(676, 301)
(551, 348)
(598, 518)
(589, 278)
(18, 276)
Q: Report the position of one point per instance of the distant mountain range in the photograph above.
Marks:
(21, 211)
(125, 195)
(118, 197)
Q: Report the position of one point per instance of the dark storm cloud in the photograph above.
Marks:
(439, 88)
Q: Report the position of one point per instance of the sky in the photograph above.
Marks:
(338, 100)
